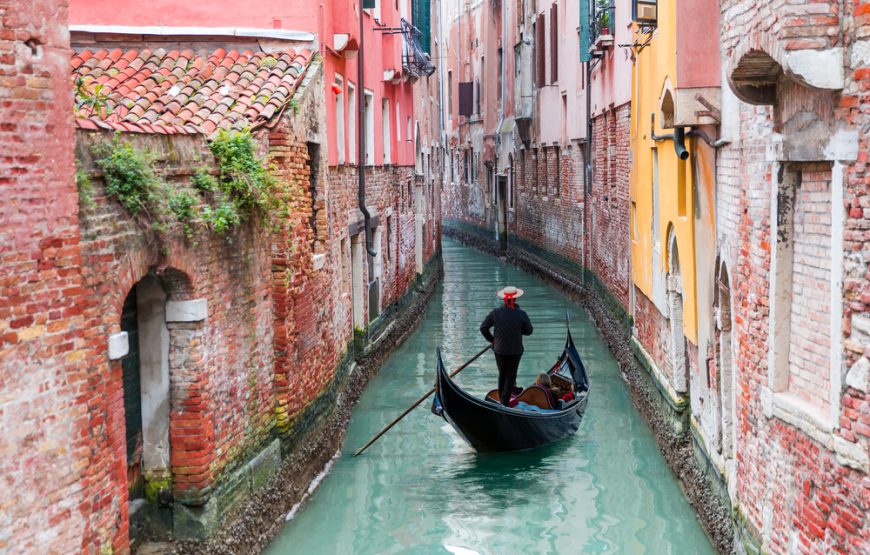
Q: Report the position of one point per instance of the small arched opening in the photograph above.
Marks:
(724, 363)
(678, 356)
(145, 373)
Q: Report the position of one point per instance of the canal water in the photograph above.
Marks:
(420, 489)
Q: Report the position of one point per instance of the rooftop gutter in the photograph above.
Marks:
(170, 31)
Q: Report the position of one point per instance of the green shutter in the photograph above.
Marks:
(585, 56)
(421, 14)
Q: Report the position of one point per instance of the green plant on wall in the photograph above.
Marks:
(91, 97)
(243, 188)
(85, 187)
(129, 175)
(603, 9)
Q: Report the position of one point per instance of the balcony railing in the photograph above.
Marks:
(414, 60)
(602, 24)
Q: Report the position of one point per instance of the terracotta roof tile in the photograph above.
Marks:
(155, 91)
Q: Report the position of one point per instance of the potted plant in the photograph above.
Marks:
(603, 17)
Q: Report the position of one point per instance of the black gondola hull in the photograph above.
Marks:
(489, 426)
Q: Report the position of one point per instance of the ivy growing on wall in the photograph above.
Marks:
(243, 189)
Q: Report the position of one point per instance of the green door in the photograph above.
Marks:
(132, 396)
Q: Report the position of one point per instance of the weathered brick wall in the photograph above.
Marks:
(220, 370)
(810, 344)
(49, 497)
(803, 490)
(609, 235)
(390, 193)
(548, 210)
(780, 26)
(652, 330)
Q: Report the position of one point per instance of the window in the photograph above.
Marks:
(370, 128)
(409, 134)
(339, 119)
(467, 167)
(554, 43)
(466, 99)
(633, 221)
(421, 20)
(510, 185)
(389, 236)
(544, 177)
(564, 119)
(540, 53)
(482, 91)
(385, 123)
(449, 94)
(535, 183)
(398, 125)
(557, 173)
(655, 200)
(802, 358)
(351, 122)
(499, 76)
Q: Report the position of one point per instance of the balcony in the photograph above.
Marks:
(415, 61)
(601, 27)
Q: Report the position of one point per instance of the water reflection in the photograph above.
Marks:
(421, 489)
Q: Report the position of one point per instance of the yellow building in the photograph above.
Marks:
(674, 114)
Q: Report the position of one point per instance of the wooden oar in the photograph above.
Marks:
(417, 403)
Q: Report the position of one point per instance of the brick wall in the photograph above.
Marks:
(48, 496)
(609, 235)
(220, 369)
(810, 338)
(548, 205)
(801, 489)
(652, 330)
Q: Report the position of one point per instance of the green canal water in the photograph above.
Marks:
(421, 489)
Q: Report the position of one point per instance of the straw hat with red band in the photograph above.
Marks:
(510, 292)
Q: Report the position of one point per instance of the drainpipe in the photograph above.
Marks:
(588, 167)
(678, 136)
(361, 162)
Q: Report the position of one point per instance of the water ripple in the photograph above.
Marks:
(422, 490)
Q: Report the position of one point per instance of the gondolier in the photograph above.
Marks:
(511, 324)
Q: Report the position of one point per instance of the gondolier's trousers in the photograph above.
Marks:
(507, 375)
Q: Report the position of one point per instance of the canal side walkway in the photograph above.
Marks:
(669, 423)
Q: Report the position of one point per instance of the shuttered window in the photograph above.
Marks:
(421, 16)
(554, 43)
(466, 99)
(540, 53)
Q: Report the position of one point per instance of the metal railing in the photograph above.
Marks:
(602, 19)
(414, 59)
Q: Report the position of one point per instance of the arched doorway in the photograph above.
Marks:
(724, 363)
(678, 355)
(145, 375)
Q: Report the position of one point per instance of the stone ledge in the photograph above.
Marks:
(809, 420)
(194, 310)
(677, 402)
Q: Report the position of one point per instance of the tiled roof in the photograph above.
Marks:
(159, 91)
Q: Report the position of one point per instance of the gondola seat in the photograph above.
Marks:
(538, 396)
(533, 395)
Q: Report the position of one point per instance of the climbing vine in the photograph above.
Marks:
(244, 187)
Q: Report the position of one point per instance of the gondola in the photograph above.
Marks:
(488, 426)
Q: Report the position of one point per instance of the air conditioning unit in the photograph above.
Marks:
(645, 12)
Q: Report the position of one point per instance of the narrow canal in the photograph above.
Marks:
(421, 489)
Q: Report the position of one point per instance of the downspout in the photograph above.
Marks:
(678, 136)
(361, 162)
(498, 131)
(588, 167)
